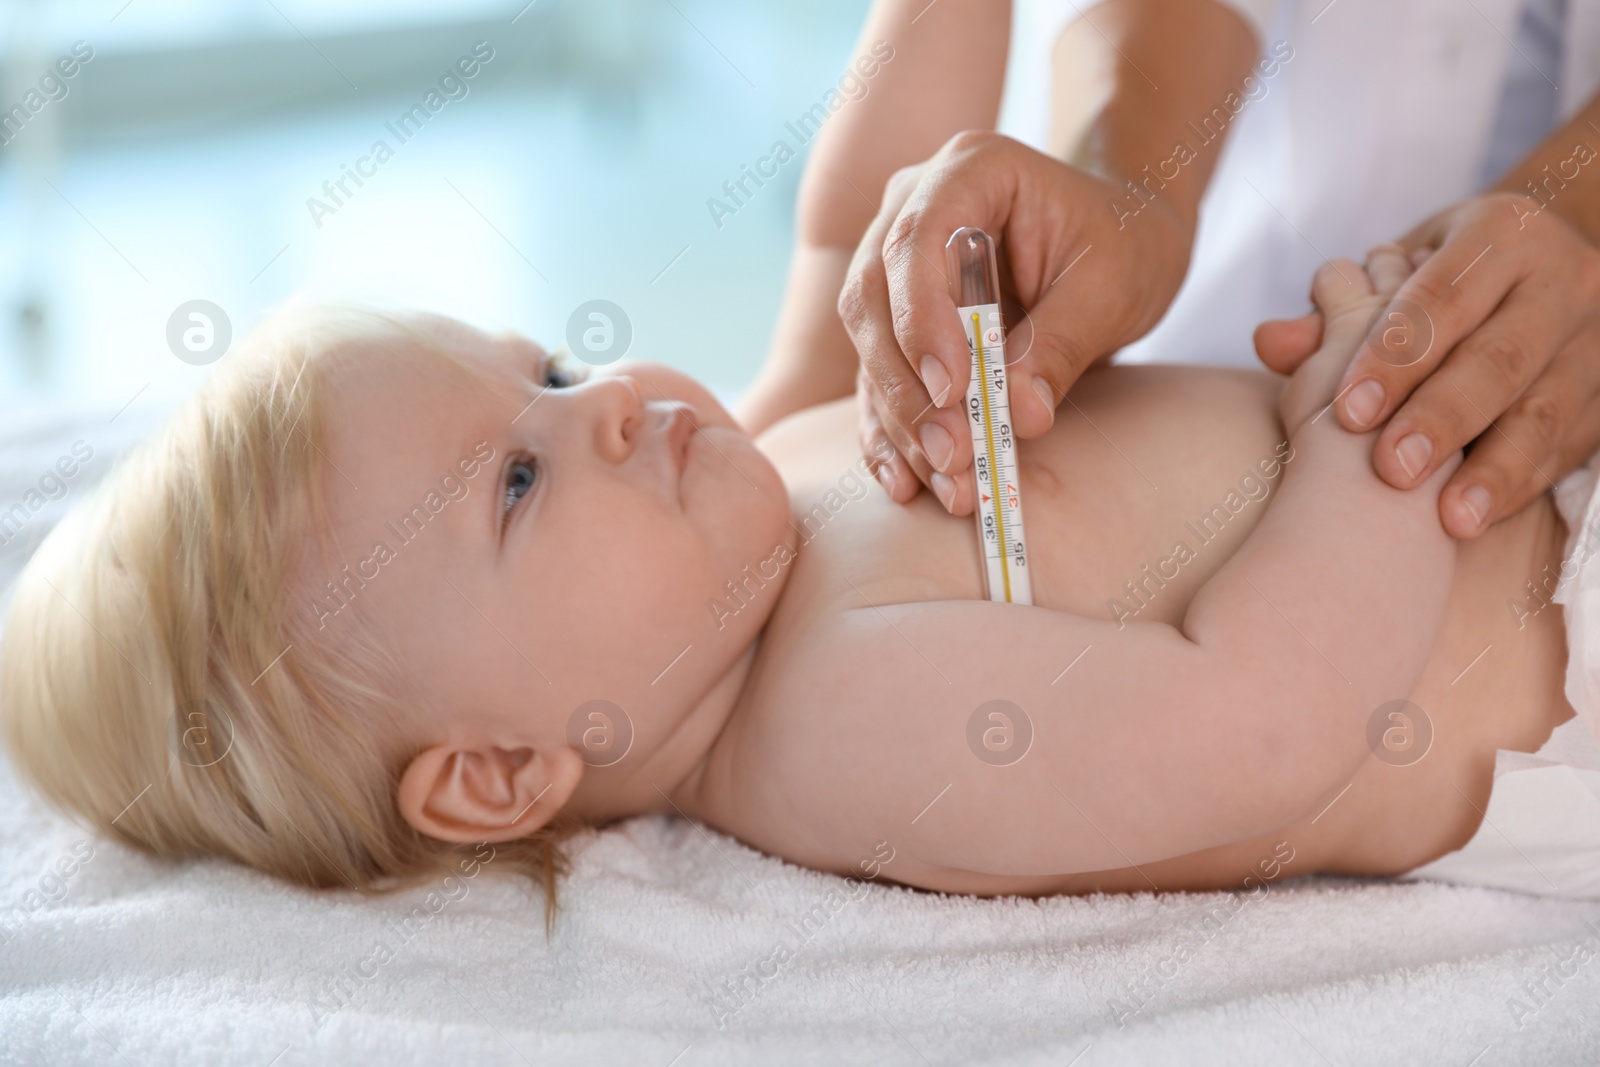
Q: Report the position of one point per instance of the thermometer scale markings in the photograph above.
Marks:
(999, 512)
(974, 279)
(994, 465)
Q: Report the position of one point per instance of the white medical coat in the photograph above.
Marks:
(1386, 114)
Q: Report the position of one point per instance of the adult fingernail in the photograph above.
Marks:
(885, 476)
(1413, 452)
(1042, 387)
(1476, 498)
(1364, 402)
(944, 488)
(935, 380)
(936, 445)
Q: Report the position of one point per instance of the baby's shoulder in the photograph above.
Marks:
(802, 767)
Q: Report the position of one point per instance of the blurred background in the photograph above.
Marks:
(177, 162)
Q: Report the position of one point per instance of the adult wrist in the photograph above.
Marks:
(1167, 240)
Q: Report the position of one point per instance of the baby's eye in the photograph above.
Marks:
(561, 373)
(520, 476)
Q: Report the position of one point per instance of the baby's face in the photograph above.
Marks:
(577, 562)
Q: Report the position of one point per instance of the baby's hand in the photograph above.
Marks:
(1349, 298)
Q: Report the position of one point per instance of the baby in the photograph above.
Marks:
(389, 590)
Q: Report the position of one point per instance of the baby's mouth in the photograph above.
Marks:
(681, 428)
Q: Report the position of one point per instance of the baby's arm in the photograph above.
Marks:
(1164, 740)
(935, 71)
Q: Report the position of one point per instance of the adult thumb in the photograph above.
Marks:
(1052, 344)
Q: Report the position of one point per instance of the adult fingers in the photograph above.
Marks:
(1527, 450)
(864, 308)
(910, 468)
(1448, 298)
(1428, 235)
(888, 466)
(872, 304)
(1487, 372)
(931, 458)
(1580, 443)
(1090, 286)
(1077, 311)
(1059, 341)
(964, 185)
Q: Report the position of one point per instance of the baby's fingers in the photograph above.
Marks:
(1388, 266)
(1284, 344)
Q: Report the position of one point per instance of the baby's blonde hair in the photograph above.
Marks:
(153, 683)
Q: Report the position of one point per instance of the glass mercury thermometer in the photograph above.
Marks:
(975, 287)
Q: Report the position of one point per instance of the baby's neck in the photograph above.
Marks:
(669, 780)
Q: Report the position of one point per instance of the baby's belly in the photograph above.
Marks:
(1150, 479)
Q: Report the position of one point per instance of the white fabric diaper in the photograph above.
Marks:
(1541, 830)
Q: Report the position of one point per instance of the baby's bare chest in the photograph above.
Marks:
(1148, 482)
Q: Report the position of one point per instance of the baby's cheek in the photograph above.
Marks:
(632, 557)
(756, 523)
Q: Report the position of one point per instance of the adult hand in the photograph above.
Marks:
(1499, 327)
(1049, 219)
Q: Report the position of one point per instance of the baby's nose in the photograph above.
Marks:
(617, 407)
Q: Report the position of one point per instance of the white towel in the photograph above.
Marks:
(206, 962)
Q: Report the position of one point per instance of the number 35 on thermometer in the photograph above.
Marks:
(975, 288)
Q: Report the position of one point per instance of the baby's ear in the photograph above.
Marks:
(489, 793)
